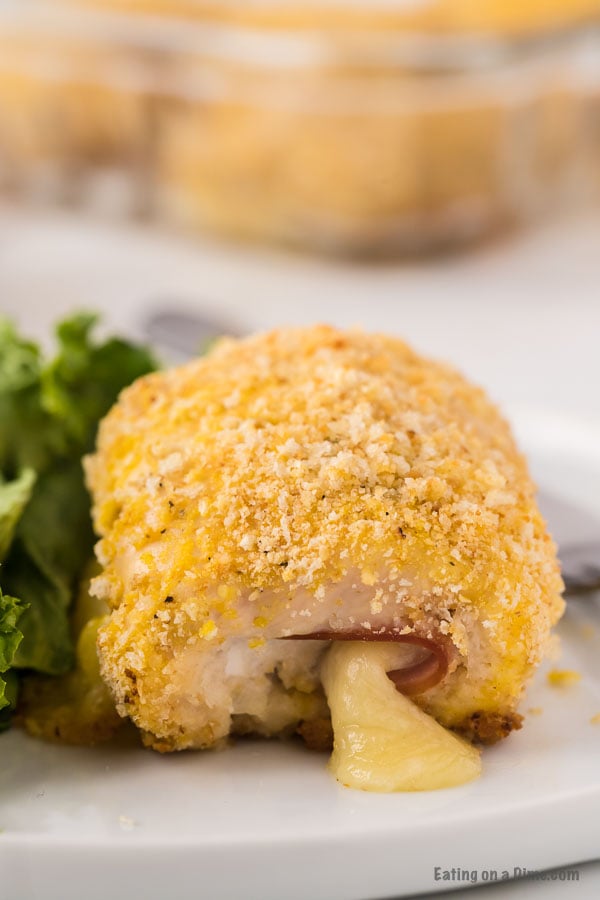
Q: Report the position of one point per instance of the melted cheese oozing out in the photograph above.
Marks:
(382, 741)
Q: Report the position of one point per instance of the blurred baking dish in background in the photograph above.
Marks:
(369, 129)
(441, 16)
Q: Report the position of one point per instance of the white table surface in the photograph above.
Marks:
(521, 317)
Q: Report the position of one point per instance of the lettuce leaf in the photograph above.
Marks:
(14, 496)
(29, 437)
(50, 411)
(45, 563)
(11, 610)
(49, 414)
(82, 383)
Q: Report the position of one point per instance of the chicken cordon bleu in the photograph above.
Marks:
(320, 531)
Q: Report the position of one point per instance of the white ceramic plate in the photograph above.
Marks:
(266, 820)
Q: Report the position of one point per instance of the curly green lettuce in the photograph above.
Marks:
(11, 636)
(49, 414)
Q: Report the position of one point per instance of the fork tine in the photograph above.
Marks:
(579, 585)
(581, 567)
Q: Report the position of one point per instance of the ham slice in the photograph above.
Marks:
(422, 674)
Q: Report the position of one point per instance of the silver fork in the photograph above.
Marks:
(577, 534)
(180, 335)
(581, 568)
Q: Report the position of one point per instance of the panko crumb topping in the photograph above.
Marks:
(289, 462)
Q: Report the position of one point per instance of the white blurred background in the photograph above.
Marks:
(521, 316)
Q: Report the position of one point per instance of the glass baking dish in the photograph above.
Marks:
(474, 17)
(366, 142)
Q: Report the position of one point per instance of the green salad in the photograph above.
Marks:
(49, 413)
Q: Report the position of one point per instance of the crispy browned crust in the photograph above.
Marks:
(317, 734)
(489, 728)
(161, 745)
(67, 710)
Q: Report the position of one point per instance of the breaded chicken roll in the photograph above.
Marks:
(312, 526)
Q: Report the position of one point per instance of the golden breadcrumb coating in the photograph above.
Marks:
(302, 481)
